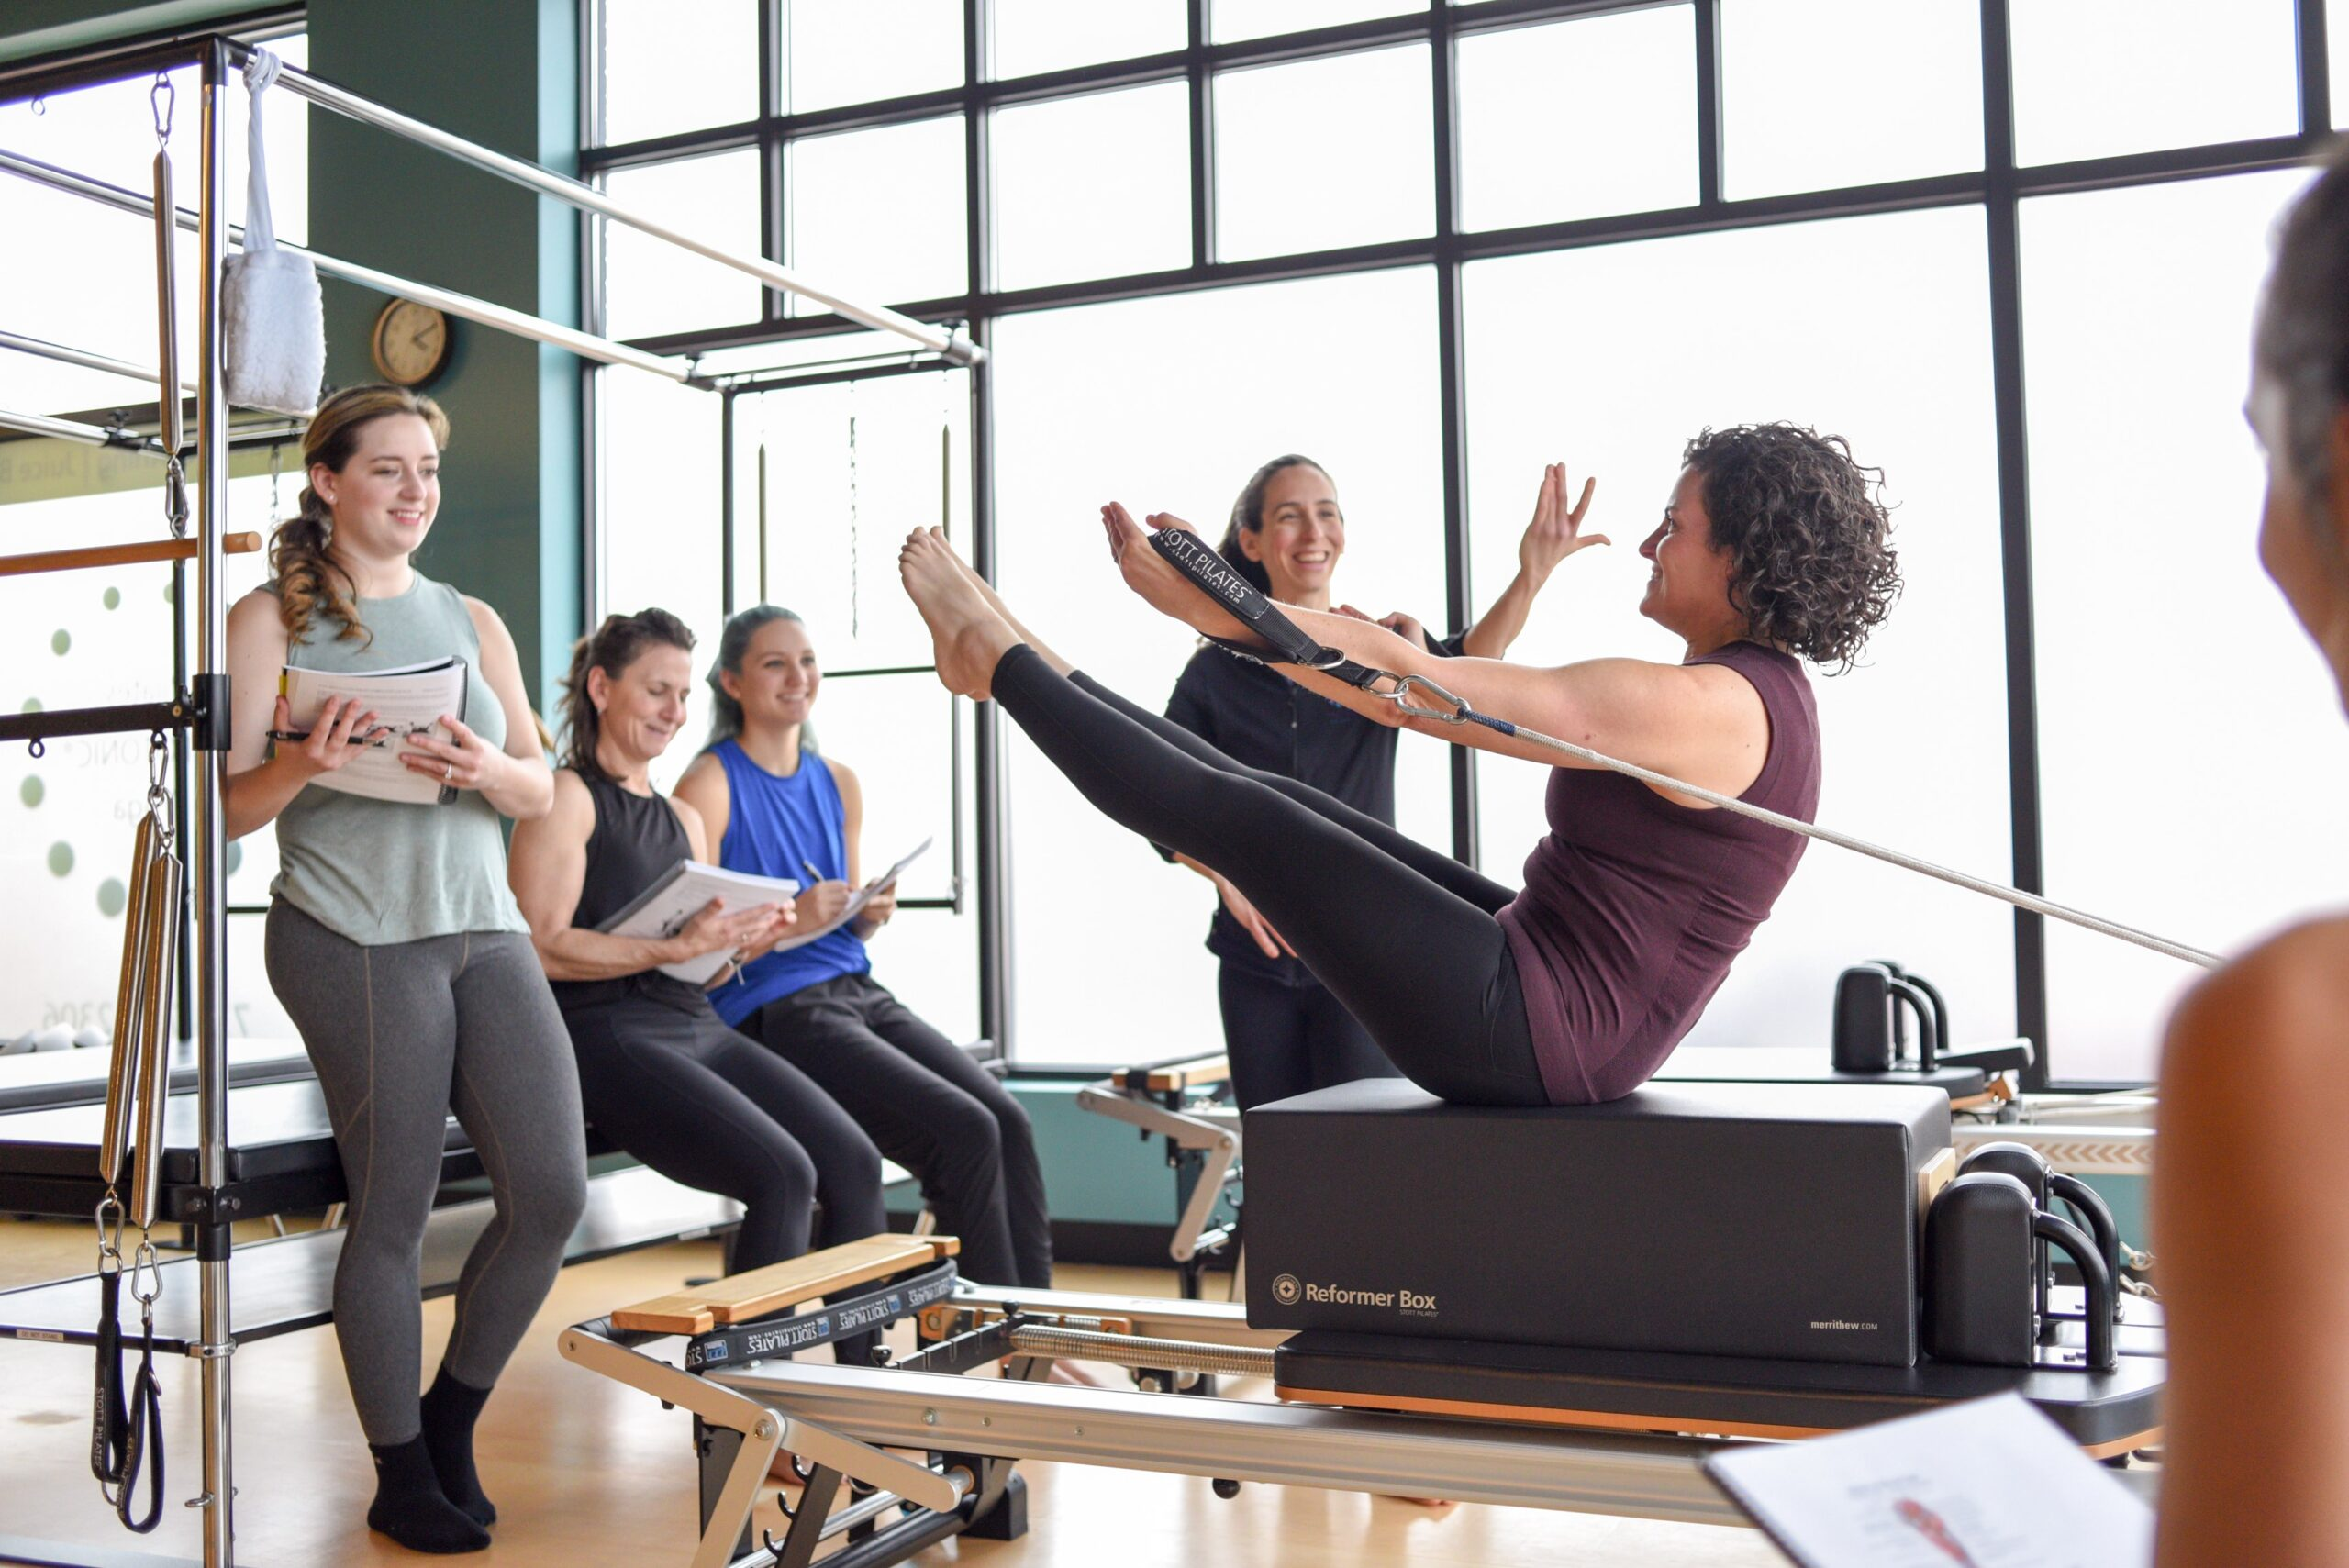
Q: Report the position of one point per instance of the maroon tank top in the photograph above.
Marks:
(1634, 906)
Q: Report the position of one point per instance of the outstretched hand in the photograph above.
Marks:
(1555, 531)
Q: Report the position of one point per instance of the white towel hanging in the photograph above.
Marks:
(274, 322)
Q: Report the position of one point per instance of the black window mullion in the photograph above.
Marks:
(1201, 77)
(775, 210)
(2002, 204)
(2316, 70)
(1708, 103)
(997, 1017)
(1452, 370)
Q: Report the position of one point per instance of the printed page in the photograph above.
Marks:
(663, 909)
(406, 701)
(856, 902)
(1988, 1484)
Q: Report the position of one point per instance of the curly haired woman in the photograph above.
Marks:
(1771, 552)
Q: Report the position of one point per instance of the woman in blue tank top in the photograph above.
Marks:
(774, 807)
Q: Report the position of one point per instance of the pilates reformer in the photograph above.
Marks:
(1589, 1429)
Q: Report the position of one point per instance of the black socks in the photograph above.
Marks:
(450, 1411)
(409, 1506)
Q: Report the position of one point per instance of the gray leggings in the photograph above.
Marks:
(401, 1035)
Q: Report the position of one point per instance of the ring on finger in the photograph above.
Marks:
(447, 773)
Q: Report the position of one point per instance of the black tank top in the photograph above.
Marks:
(637, 838)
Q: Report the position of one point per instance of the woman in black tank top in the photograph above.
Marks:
(660, 1075)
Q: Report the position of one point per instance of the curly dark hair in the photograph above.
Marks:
(1806, 534)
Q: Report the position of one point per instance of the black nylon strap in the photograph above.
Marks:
(143, 1444)
(109, 1420)
(1213, 576)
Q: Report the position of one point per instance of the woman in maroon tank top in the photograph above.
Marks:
(1772, 550)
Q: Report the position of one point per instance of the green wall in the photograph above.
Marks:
(503, 73)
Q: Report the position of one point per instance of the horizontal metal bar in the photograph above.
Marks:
(75, 431)
(882, 670)
(587, 198)
(1471, 1462)
(46, 75)
(83, 357)
(538, 329)
(1141, 1350)
(784, 380)
(131, 719)
(121, 554)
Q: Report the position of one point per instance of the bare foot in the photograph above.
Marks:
(970, 636)
(1152, 576)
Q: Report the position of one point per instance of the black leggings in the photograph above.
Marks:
(930, 1108)
(1288, 1037)
(1404, 937)
(717, 1111)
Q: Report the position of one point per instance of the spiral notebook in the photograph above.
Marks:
(406, 701)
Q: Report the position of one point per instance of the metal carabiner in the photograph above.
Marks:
(159, 799)
(144, 1264)
(162, 98)
(1456, 714)
(109, 1244)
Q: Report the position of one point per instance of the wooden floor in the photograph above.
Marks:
(587, 1473)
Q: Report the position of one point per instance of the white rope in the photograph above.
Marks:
(1460, 713)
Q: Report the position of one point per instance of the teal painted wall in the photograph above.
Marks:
(505, 73)
(45, 26)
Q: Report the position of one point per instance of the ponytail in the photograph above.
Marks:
(311, 583)
(611, 648)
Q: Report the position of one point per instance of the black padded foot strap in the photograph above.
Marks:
(1213, 576)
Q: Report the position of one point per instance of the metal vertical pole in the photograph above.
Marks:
(206, 881)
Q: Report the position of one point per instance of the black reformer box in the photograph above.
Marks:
(1741, 1220)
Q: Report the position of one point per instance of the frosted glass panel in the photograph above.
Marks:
(1817, 94)
(1087, 896)
(1875, 328)
(1034, 36)
(661, 530)
(1128, 154)
(879, 215)
(652, 287)
(2096, 77)
(1327, 154)
(652, 46)
(1229, 19)
(1623, 141)
(851, 52)
(2152, 612)
(848, 469)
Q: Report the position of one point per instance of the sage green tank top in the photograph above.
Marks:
(379, 872)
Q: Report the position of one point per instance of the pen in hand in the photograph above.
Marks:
(814, 876)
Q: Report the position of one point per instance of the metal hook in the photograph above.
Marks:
(40, 107)
(36, 749)
(162, 98)
(144, 1264)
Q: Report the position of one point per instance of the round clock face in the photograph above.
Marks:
(411, 342)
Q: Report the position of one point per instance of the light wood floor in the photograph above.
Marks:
(586, 1472)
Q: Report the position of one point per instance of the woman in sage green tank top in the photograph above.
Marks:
(398, 951)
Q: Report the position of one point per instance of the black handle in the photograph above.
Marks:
(1910, 994)
(1862, 1041)
(2091, 1207)
(1942, 1038)
(2102, 1297)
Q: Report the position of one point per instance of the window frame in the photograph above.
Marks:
(1999, 187)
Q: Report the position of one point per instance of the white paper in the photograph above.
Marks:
(856, 903)
(1988, 1484)
(663, 909)
(406, 701)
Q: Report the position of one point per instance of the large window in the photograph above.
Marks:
(105, 637)
(1436, 246)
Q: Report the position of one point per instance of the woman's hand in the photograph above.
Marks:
(714, 930)
(821, 905)
(341, 732)
(761, 942)
(462, 762)
(1250, 921)
(1555, 531)
(1405, 626)
(878, 908)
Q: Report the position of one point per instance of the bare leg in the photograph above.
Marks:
(970, 638)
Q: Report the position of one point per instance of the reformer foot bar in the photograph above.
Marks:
(1530, 1426)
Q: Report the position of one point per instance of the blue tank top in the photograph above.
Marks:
(779, 826)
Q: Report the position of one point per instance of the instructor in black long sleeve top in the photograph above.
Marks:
(1283, 1031)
